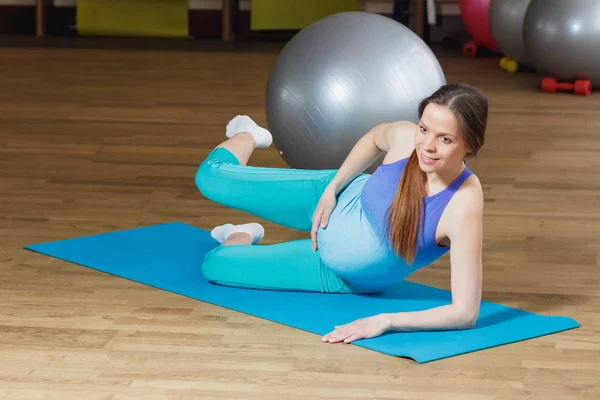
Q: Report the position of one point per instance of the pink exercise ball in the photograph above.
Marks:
(475, 16)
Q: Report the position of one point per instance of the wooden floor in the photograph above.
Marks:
(99, 140)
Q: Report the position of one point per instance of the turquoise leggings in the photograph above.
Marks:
(286, 197)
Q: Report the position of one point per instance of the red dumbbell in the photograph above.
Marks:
(470, 48)
(581, 86)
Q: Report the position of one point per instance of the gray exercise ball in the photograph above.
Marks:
(506, 23)
(562, 39)
(338, 78)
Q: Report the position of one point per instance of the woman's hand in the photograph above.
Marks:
(321, 215)
(360, 329)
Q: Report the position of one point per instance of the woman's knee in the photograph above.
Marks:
(205, 179)
(212, 266)
(209, 174)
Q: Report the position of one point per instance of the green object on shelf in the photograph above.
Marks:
(147, 18)
(294, 14)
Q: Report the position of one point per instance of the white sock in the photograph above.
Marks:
(254, 229)
(243, 123)
(218, 232)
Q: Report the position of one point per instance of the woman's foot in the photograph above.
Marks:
(238, 234)
(243, 123)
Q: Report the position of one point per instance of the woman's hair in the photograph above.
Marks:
(470, 107)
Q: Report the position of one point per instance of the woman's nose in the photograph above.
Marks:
(429, 144)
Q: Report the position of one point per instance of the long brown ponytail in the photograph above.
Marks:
(405, 214)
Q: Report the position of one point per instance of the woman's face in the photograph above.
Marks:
(439, 142)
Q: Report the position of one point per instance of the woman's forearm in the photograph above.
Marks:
(438, 318)
(363, 154)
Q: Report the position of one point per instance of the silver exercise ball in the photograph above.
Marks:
(562, 39)
(338, 78)
(506, 23)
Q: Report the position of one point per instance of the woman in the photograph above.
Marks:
(368, 232)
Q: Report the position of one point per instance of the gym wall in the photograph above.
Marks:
(18, 17)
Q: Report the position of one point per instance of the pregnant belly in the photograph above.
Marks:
(353, 250)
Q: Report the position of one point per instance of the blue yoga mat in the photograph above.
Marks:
(168, 256)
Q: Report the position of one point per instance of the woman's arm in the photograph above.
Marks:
(363, 154)
(391, 138)
(466, 237)
(382, 138)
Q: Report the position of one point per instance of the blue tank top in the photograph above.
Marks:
(379, 192)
